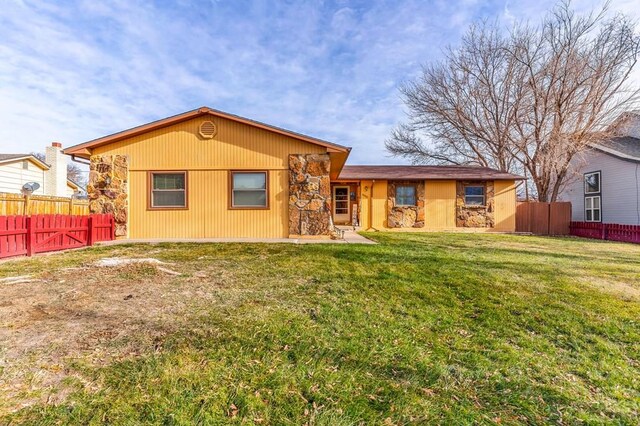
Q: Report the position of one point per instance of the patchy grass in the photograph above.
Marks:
(433, 328)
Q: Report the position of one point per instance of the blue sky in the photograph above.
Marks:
(72, 71)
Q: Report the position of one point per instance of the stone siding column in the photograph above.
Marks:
(475, 216)
(108, 188)
(405, 216)
(310, 194)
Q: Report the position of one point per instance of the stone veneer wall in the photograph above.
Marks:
(310, 194)
(108, 188)
(405, 216)
(475, 217)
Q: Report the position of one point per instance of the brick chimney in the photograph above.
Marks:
(55, 181)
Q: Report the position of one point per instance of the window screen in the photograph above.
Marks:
(592, 209)
(474, 195)
(406, 195)
(249, 189)
(168, 190)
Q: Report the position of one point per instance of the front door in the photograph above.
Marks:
(341, 205)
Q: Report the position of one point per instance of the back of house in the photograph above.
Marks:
(209, 174)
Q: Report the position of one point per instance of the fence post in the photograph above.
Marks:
(31, 236)
(604, 231)
(112, 222)
(25, 207)
(91, 231)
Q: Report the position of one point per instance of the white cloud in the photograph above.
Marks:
(75, 71)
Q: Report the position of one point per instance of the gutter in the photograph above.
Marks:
(73, 158)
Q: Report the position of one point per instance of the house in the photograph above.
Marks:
(51, 175)
(605, 183)
(206, 173)
(424, 198)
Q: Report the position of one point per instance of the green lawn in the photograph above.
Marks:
(433, 328)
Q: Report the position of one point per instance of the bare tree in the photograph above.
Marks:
(526, 102)
(74, 172)
(465, 104)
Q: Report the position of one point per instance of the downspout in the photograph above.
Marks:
(371, 207)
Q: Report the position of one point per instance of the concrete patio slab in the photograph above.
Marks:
(350, 237)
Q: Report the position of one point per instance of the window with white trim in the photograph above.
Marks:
(474, 195)
(168, 190)
(405, 195)
(249, 190)
(592, 183)
(592, 209)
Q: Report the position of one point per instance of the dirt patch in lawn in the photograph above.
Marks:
(92, 316)
(624, 290)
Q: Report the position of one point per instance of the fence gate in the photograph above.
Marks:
(28, 235)
(543, 218)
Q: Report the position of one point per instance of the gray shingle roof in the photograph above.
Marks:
(627, 146)
(4, 157)
(424, 172)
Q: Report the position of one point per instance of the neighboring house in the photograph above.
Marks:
(206, 173)
(19, 169)
(605, 183)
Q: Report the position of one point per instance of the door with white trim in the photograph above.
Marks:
(341, 205)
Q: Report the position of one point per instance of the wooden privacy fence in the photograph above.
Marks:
(606, 231)
(543, 218)
(18, 204)
(28, 235)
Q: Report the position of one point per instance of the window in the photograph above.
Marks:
(249, 190)
(592, 183)
(25, 165)
(168, 190)
(592, 209)
(474, 195)
(405, 195)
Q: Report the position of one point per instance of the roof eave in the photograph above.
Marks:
(615, 153)
(31, 158)
(353, 178)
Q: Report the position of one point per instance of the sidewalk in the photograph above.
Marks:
(350, 237)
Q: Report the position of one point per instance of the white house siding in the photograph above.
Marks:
(70, 191)
(620, 186)
(13, 176)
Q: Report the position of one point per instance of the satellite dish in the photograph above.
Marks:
(29, 187)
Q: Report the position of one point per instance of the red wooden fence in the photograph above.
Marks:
(606, 231)
(28, 235)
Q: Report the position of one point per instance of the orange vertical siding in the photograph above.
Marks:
(236, 146)
(440, 204)
(505, 205)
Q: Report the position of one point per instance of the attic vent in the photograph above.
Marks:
(208, 129)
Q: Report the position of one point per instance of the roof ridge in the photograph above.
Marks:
(188, 115)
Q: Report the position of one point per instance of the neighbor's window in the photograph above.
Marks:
(249, 190)
(405, 195)
(168, 190)
(474, 195)
(592, 209)
(592, 183)
(25, 164)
